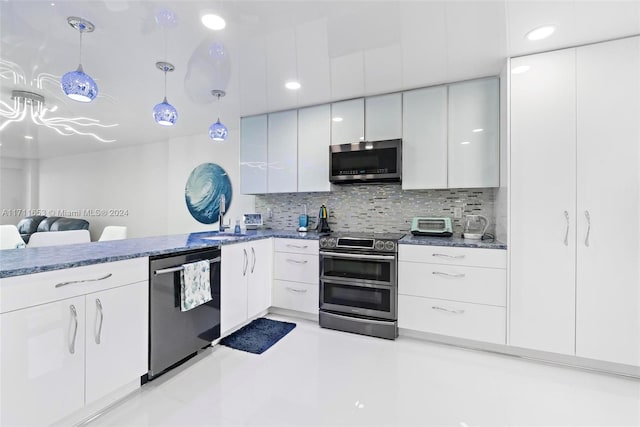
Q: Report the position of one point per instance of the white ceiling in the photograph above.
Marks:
(336, 49)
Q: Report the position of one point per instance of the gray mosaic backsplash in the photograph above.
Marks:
(380, 208)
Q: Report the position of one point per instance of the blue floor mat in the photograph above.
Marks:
(258, 336)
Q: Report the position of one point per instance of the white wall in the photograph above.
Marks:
(147, 181)
(184, 155)
(18, 189)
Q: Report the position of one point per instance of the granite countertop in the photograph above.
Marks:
(17, 262)
(454, 241)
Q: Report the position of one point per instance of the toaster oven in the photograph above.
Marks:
(431, 226)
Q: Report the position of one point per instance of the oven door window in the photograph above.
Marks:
(371, 270)
(378, 299)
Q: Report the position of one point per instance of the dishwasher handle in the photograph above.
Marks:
(180, 267)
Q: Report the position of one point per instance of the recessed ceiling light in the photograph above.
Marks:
(292, 85)
(53, 4)
(213, 22)
(337, 119)
(477, 130)
(520, 69)
(541, 32)
(28, 137)
(465, 143)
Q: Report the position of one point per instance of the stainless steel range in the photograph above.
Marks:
(359, 283)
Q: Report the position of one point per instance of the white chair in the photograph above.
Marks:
(113, 232)
(54, 238)
(10, 237)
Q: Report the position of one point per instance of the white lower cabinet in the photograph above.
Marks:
(42, 362)
(60, 355)
(453, 318)
(259, 273)
(245, 288)
(458, 292)
(296, 296)
(296, 275)
(116, 338)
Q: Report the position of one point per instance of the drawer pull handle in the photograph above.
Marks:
(449, 256)
(300, 291)
(59, 285)
(295, 261)
(99, 311)
(435, 307)
(289, 245)
(457, 276)
(74, 317)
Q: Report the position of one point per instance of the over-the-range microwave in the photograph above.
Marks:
(369, 161)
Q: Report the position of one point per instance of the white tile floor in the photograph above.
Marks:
(322, 377)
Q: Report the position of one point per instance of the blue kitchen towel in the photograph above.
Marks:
(258, 336)
(195, 286)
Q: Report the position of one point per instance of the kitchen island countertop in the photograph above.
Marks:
(18, 262)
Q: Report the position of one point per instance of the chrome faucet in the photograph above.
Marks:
(222, 211)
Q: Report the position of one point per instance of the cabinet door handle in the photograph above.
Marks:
(83, 281)
(435, 307)
(246, 263)
(588, 217)
(289, 245)
(566, 232)
(253, 255)
(457, 276)
(99, 312)
(295, 261)
(449, 256)
(74, 317)
(300, 291)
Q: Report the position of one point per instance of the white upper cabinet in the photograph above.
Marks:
(474, 134)
(283, 152)
(608, 158)
(347, 121)
(253, 154)
(542, 216)
(424, 142)
(383, 117)
(314, 137)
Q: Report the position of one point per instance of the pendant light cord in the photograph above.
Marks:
(165, 83)
(80, 53)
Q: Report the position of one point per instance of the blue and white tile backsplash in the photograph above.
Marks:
(383, 208)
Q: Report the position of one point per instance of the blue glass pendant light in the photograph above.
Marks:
(164, 113)
(76, 84)
(218, 131)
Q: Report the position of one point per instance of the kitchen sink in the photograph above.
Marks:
(223, 237)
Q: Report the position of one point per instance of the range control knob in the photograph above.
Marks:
(323, 242)
(389, 245)
(379, 245)
(331, 243)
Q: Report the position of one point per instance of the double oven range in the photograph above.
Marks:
(359, 283)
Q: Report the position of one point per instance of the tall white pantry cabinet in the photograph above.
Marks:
(575, 202)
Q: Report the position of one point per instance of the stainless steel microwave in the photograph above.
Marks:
(369, 161)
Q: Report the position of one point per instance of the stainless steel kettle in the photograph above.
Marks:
(475, 226)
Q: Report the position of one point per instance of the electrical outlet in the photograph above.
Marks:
(269, 213)
(457, 212)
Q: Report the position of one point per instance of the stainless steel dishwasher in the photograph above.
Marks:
(176, 335)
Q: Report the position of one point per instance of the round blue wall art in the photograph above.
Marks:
(206, 185)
